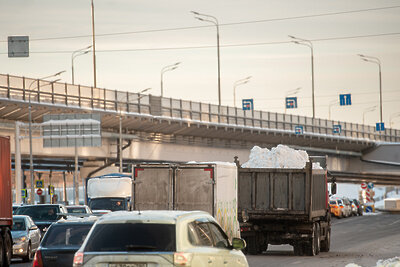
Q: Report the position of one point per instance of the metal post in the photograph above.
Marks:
(312, 78)
(18, 177)
(32, 195)
(120, 143)
(94, 48)
(380, 91)
(76, 181)
(219, 69)
(65, 189)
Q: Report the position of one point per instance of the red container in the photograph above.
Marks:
(5, 182)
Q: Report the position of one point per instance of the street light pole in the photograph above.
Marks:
(236, 84)
(94, 47)
(366, 111)
(291, 92)
(75, 54)
(214, 21)
(310, 45)
(378, 62)
(30, 133)
(165, 69)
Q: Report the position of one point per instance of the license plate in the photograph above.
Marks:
(127, 265)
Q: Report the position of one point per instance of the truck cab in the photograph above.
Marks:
(109, 192)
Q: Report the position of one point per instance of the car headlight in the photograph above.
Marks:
(20, 239)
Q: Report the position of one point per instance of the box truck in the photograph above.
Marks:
(5, 202)
(210, 187)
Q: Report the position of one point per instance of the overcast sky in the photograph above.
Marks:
(254, 42)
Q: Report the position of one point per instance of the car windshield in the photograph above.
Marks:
(112, 204)
(18, 224)
(39, 213)
(340, 202)
(132, 237)
(76, 210)
(66, 235)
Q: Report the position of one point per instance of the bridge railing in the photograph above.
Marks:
(40, 91)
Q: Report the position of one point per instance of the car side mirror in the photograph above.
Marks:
(238, 243)
(333, 188)
(34, 227)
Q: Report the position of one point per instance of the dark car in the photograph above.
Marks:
(359, 207)
(42, 214)
(61, 242)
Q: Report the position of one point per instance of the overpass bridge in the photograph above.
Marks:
(165, 129)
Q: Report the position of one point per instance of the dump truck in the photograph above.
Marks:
(284, 206)
(109, 192)
(5, 202)
(210, 187)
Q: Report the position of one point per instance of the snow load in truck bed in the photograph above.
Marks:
(278, 157)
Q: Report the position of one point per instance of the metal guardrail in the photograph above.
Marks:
(40, 91)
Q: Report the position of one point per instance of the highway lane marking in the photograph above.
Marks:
(394, 222)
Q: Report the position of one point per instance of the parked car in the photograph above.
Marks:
(359, 206)
(61, 241)
(347, 207)
(79, 209)
(42, 214)
(335, 208)
(159, 238)
(26, 237)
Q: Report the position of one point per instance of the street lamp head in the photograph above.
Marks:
(199, 18)
(360, 55)
(194, 12)
(58, 73)
(291, 36)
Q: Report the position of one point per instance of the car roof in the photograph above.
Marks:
(76, 206)
(41, 205)
(151, 216)
(77, 220)
(20, 216)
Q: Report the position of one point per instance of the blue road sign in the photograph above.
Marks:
(368, 209)
(39, 183)
(380, 126)
(337, 128)
(345, 99)
(370, 185)
(247, 104)
(299, 129)
(291, 102)
(24, 193)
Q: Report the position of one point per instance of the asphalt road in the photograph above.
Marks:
(362, 240)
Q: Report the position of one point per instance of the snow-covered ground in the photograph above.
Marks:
(392, 262)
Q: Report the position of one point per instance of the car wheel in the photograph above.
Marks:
(28, 256)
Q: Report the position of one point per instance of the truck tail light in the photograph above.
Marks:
(78, 259)
(245, 228)
(182, 259)
(37, 260)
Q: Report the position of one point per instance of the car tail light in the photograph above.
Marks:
(182, 259)
(78, 259)
(37, 260)
(341, 207)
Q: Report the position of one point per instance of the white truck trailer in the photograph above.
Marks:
(210, 187)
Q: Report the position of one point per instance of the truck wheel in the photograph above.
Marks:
(298, 249)
(252, 245)
(7, 249)
(326, 244)
(1, 250)
(313, 246)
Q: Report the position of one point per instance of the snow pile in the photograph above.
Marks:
(278, 157)
(393, 262)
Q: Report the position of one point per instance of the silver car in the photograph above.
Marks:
(26, 237)
(159, 238)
